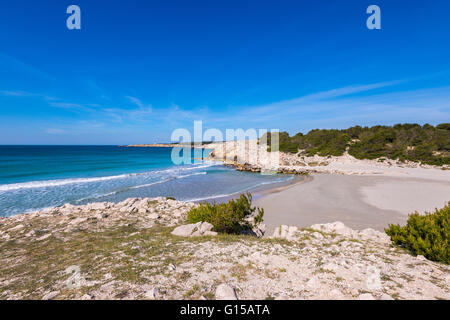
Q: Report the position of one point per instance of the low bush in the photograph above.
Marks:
(232, 217)
(426, 235)
(412, 142)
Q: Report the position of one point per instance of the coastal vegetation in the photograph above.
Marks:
(427, 235)
(127, 250)
(406, 142)
(232, 217)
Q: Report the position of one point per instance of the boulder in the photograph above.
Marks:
(184, 230)
(285, 232)
(210, 233)
(371, 234)
(195, 230)
(205, 226)
(335, 227)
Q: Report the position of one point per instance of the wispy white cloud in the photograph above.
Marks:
(71, 106)
(20, 93)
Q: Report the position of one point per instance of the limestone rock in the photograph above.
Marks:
(50, 295)
(371, 234)
(335, 227)
(366, 296)
(194, 230)
(153, 294)
(184, 230)
(205, 226)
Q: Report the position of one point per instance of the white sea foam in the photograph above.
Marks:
(238, 192)
(61, 182)
(98, 196)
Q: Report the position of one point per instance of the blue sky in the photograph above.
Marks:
(139, 69)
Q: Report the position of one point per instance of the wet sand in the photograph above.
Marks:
(357, 201)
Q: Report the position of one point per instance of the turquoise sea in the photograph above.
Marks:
(36, 177)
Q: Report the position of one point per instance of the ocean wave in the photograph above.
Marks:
(62, 182)
(240, 191)
(98, 196)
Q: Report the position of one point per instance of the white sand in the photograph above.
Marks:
(357, 201)
(407, 195)
(359, 193)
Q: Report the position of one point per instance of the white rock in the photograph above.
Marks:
(205, 226)
(291, 233)
(386, 297)
(172, 267)
(77, 221)
(177, 213)
(44, 237)
(225, 292)
(210, 233)
(284, 231)
(336, 294)
(366, 296)
(29, 234)
(335, 227)
(96, 206)
(276, 233)
(196, 234)
(50, 296)
(317, 235)
(330, 267)
(124, 209)
(185, 230)
(312, 282)
(153, 294)
(371, 234)
(18, 227)
(153, 216)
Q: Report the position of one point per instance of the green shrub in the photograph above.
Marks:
(426, 144)
(426, 235)
(233, 217)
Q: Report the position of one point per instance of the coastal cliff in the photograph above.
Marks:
(127, 251)
(254, 157)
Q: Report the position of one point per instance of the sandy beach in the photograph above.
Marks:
(357, 201)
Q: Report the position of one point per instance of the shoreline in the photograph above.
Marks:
(360, 193)
(257, 192)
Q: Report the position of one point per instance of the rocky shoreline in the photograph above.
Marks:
(131, 250)
(254, 157)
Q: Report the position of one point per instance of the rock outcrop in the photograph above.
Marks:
(293, 233)
(195, 230)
